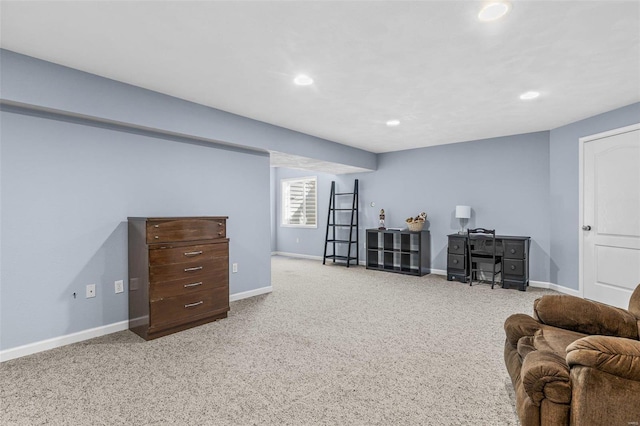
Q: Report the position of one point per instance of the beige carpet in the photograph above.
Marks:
(329, 346)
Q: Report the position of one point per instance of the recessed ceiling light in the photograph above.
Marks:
(494, 10)
(529, 95)
(303, 80)
(393, 123)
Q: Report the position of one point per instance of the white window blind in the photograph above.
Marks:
(299, 202)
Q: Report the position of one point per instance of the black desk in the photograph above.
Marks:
(515, 259)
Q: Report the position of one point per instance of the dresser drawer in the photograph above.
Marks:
(456, 245)
(513, 249)
(195, 269)
(219, 277)
(183, 308)
(513, 267)
(174, 230)
(164, 255)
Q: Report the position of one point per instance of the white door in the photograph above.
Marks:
(611, 216)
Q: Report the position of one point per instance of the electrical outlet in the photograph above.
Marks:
(91, 290)
(119, 286)
(234, 268)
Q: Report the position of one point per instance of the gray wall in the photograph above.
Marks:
(564, 184)
(505, 181)
(67, 190)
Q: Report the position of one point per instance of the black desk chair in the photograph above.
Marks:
(481, 248)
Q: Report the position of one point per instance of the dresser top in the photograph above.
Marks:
(404, 230)
(179, 218)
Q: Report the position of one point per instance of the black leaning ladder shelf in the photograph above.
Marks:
(341, 226)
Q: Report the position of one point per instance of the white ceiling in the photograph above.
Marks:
(431, 64)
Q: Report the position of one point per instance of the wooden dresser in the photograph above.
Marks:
(178, 273)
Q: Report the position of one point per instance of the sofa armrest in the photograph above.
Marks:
(545, 375)
(584, 316)
(614, 355)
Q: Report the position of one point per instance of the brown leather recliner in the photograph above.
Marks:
(576, 362)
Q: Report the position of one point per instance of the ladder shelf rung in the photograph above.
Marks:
(341, 241)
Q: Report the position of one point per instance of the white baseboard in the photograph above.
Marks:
(80, 336)
(251, 293)
(300, 256)
(556, 287)
(537, 284)
(57, 342)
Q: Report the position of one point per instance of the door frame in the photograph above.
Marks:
(581, 143)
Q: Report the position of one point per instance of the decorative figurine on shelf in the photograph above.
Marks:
(381, 223)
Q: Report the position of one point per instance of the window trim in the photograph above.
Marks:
(283, 202)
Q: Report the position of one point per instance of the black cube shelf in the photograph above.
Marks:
(403, 252)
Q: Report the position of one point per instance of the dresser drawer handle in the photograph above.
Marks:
(221, 233)
(220, 224)
(455, 247)
(513, 267)
(156, 237)
(191, 305)
(455, 261)
(156, 226)
(193, 284)
(193, 253)
(513, 251)
(197, 268)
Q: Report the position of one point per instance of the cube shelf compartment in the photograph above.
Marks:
(403, 252)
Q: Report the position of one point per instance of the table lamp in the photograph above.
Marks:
(463, 213)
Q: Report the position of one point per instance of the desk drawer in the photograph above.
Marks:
(182, 308)
(455, 261)
(174, 230)
(513, 249)
(456, 245)
(186, 254)
(513, 267)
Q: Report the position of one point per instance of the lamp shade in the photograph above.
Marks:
(463, 212)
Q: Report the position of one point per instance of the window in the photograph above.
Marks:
(299, 201)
